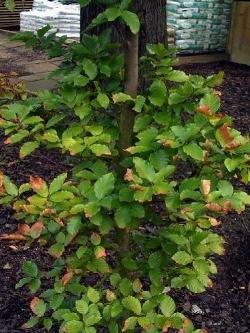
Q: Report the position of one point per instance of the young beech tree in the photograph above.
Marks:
(151, 177)
(152, 15)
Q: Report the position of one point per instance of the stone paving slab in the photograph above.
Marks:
(35, 67)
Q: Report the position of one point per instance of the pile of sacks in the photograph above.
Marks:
(64, 18)
(199, 25)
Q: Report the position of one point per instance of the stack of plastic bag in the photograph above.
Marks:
(199, 25)
(62, 18)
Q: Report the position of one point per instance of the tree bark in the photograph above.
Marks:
(152, 14)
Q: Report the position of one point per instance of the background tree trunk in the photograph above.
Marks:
(152, 14)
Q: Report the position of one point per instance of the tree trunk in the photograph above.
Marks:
(152, 14)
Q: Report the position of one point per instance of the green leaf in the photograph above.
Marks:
(54, 120)
(157, 93)
(201, 266)
(61, 196)
(10, 187)
(56, 301)
(23, 282)
(27, 148)
(125, 4)
(73, 326)
(74, 224)
(182, 258)
(84, 3)
(121, 98)
(177, 76)
(225, 188)
(57, 183)
(129, 264)
(139, 103)
(194, 151)
(34, 285)
(232, 163)
(175, 98)
(125, 287)
(89, 68)
(133, 304)
(132, 21)
(212, 101)
(104, 185)
(215, 80)
(144, 169)
(82, 306)
(93, 295)
(129, 324)
(112, 14)
(56, 250)
(77, 209)
(51, 136)
(99, 149)
(10, 5)
(103, 100)
(47, 323)
(123, 216)
(141, 122)
(155, 260)
(31, 323)
(39, 308)
(115, 279)
(167, 306)
(195, 286)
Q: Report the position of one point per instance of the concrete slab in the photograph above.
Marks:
(40, 85)
(32, 67)
(42, 67)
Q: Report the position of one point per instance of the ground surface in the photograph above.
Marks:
(31, 66)
(222, 309)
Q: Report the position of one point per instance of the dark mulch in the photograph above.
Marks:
(224, 308)
(17, 58)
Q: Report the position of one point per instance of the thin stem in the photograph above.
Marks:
(127, 115)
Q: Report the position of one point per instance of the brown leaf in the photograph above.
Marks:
(185, 325)
(14, 236)
(210, 283)
(206, 187)
(137, 187)
(227, 206)
(217, 93)
(7, 141)
(36, 183)
(37, 228)
(204, 109)
(176, 158)
(100, 252)
(59, 221)
(128, 175)
(25, 208)
(214, 207)
(224, 132)
(233, 145)
(110, 295)
(33, 303)
(166, 143)
(7, 266)
(128, 150)
(13, 248)
(48, 211)
(23, 229)
(166, 328)
(214, 222)
(66, 278)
